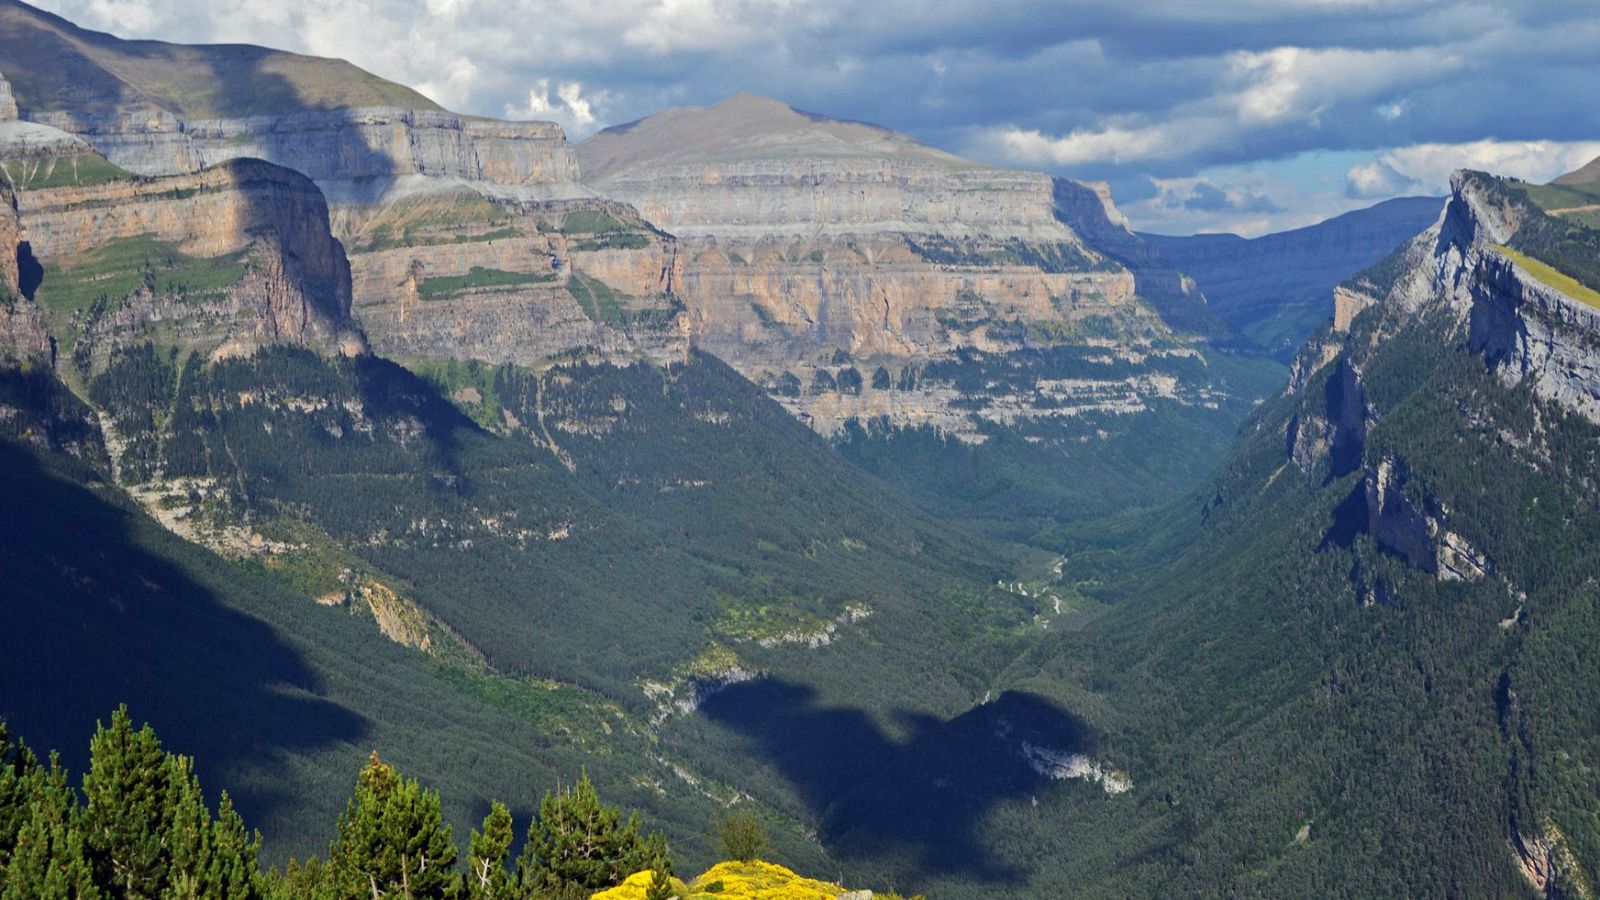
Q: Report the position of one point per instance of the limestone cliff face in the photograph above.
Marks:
(1089, 210)
(224, 261)
(1460, 276)
(1530, 331)
(458, 275)
(753, 168)
(334, 145)
(22, 332)
(161, 109)
(776, 301)
(804, 239)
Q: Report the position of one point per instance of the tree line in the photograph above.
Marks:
(140, 827)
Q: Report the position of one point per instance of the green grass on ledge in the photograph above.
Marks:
(1552, 277)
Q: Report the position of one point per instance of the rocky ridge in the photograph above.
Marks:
(222, 261)
(814, 250)
(1460, 272)
(156, 108)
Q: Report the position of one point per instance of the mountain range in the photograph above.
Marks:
(747, 457)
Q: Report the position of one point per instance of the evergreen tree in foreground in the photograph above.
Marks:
(487, 855)
(392, 840)
(579, 845)
(143, 829)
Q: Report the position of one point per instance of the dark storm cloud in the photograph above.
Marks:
(1126, 91)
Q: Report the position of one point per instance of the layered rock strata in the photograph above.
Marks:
(457, 275)
(1535, 328)
(22, 333)
(337, 145)
(222, 261)
(805, 241)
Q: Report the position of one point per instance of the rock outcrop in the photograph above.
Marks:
(1088, 208)
(161, 109)
(22, 333)
(808, 245)
(222, 261)
(1531, 330)
(752, 168)
(457, 275)
(8, 102)
(333, 146)
(1535, 327)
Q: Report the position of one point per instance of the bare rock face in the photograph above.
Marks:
(803, 239)
(334, 145)
(8, 102)
(1461, 275)
(1088, 208)
(162, 109)
(222, 261)
(454, 274)
(1529, 330)
(753, 168)
(22, 333)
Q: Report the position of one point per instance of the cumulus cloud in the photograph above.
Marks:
(565, 104)
(1376, 180)
(1207, 196)
(1429, 165)
(1096, 89)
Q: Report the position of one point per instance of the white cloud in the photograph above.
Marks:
(566, 105)
(671, 25)
(1429, 165)
(1108, 145)
(1378, 180)
(1296, 83)
(1114, 90)
(123, 15)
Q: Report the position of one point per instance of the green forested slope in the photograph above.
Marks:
(622, 528)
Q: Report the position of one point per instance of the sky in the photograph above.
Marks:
(1248, 116)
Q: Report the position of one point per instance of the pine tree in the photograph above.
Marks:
(577, 842)
(127, 817)
(392, 840)
(743, 836)
(487, 855)
(17, 765)
(49, 860)
(148, 830)
(231, 866)
(660, 883)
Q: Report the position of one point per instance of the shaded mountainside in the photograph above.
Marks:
(1275, 289)
(57, 66)
(385, 561)
(1372, 635)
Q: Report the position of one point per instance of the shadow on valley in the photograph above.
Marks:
(97, 610)
(923, 797)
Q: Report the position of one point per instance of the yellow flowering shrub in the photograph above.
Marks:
(737, 881)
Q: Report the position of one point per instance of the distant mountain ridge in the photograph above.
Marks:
(1276, 289)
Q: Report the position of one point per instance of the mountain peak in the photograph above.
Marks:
(749, 127)
(54, 65)
(1588, 174)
